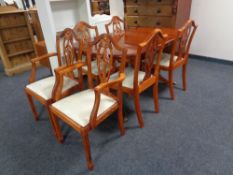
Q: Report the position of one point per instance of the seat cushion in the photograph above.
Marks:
(78, 106)
(44, 86)
(165, 60)
(129, 77)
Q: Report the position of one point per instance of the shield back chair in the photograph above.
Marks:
(86, 33)
(142, 76)
(43, 89)
(115, 26)
(179, 55)
(85, 110)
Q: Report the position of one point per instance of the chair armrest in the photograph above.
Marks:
(98, 91)
(59, 74)
(102, 86)
(46, 56)
(34, 61)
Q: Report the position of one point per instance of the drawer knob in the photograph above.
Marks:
(135, 1)
(159, 0)
(136, 11)
(158, 23)
(159, 11)
(135, 22)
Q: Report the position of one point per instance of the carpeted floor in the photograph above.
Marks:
(192, 135)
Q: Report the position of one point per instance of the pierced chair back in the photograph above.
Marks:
(85, 32)
(184, 39)
(115, 26)
(105, 47)
(149, 50)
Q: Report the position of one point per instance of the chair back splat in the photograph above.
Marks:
(115, 26)
(184, 39)
(106, 63)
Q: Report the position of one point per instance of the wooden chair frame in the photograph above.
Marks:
(103, 87)
(181, 48)
(116, 23)
(69, 58)
(151, 47)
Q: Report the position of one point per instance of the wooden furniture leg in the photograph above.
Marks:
(170, 82)
(121, 121)
(138, 110)
(32, 105)
(56, 127)
(156, 97)
(184, 76)
(87, 150)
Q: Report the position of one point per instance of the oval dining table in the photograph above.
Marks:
(132, 37)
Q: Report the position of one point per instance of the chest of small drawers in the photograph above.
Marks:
(156, 13)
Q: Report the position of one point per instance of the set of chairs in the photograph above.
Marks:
(79, 55)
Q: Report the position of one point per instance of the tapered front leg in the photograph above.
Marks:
(138, 110)
(170, 84)
(156, 97)
(56, 126)
(33, 107)
(87, 150)
(184, 76)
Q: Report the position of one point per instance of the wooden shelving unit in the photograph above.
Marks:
(16, 41)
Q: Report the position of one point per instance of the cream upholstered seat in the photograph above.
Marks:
(44, 86)
(165, 60)
(129, 73)
(78, 106)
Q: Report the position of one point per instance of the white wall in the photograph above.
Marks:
(65, 14)
(214, 37)
(117, 8)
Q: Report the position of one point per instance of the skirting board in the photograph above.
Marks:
(211, 59)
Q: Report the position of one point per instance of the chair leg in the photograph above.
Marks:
(121, 121)
(138, 110)
(156, 97)
(184, 76)
(56, 126)
(170, 84)
(87, 150)
(31, 102)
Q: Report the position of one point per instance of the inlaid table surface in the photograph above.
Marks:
(131, 38)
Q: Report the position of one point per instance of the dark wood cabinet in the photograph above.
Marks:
(157, 13)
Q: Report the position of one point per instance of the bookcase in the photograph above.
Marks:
(16, 41)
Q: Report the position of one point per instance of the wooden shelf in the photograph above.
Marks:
(16, 40)
(21, 52)
(13, 26)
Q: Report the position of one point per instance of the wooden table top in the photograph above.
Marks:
(131, 38)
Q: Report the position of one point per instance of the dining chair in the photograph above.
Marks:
(115, 26)
(86, 33)
(179, 55)
(140, 77)
(43, 89)
(85, 110)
